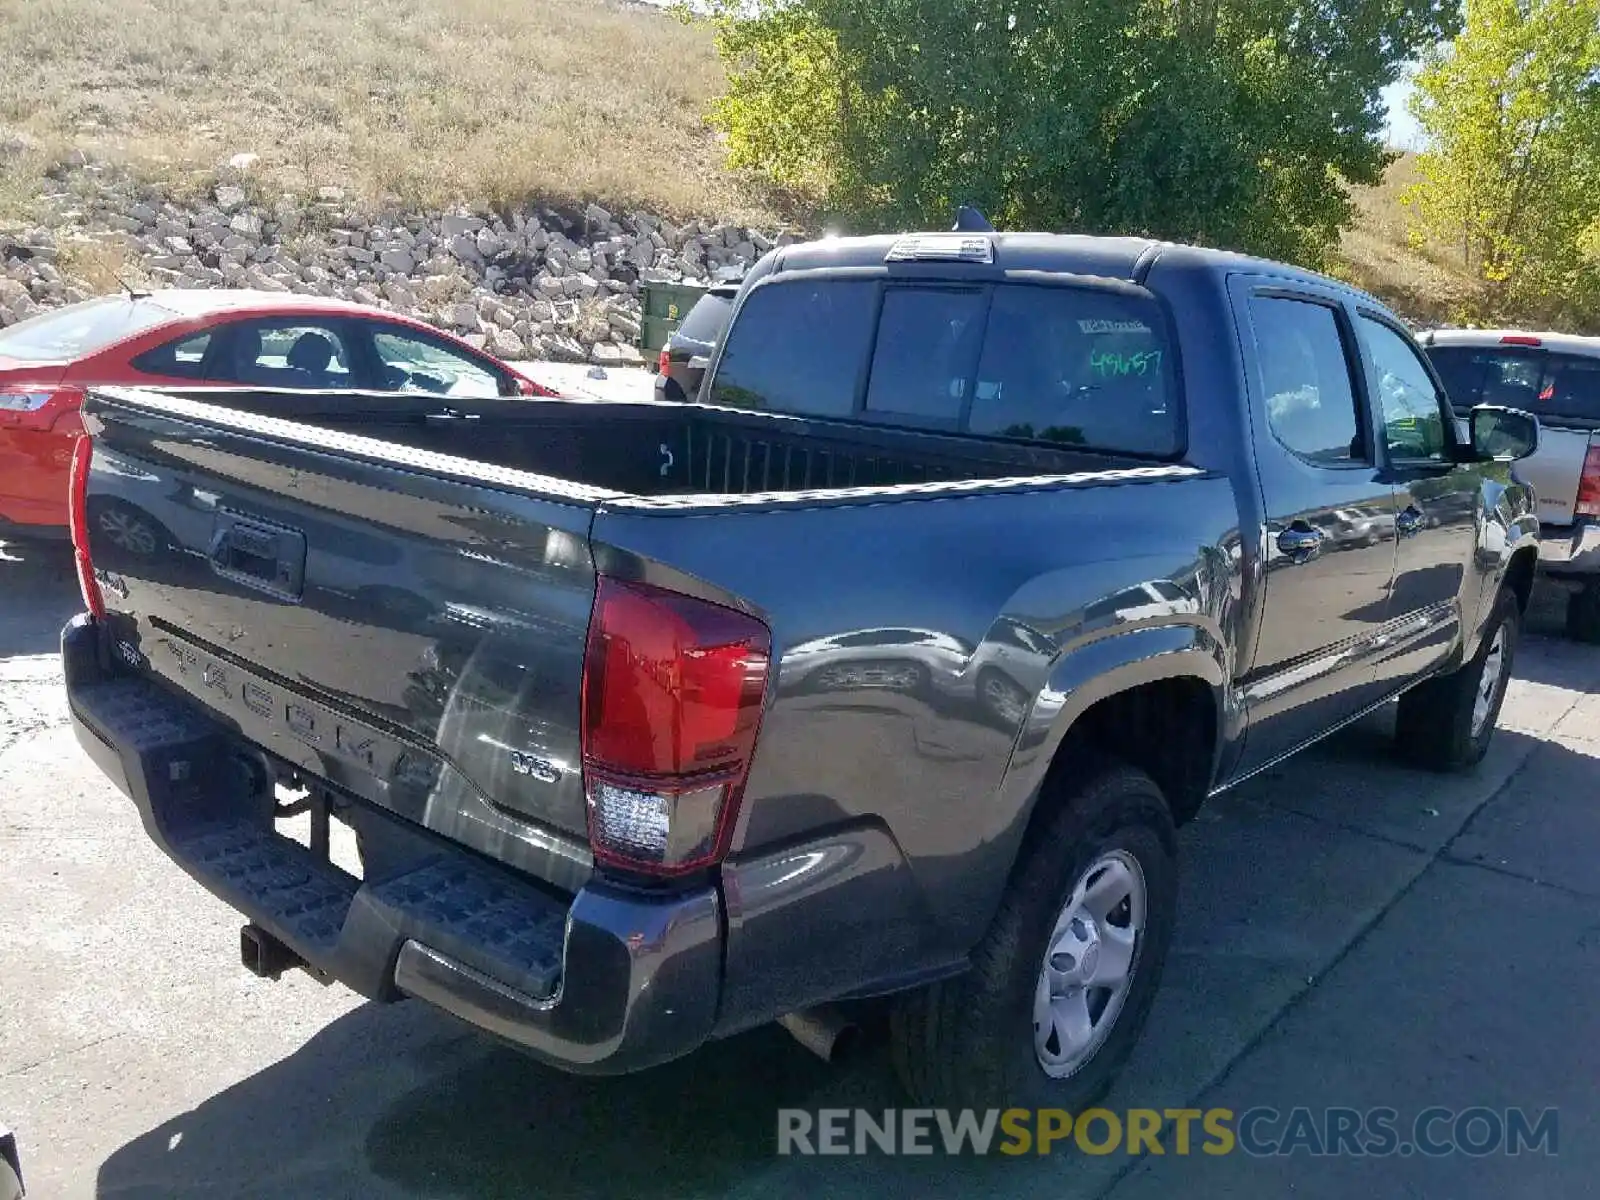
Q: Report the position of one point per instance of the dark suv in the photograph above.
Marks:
(688, 350)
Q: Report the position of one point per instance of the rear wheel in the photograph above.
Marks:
(1583, 614)
(129, 528)
(1446, 723)
(1062, 983)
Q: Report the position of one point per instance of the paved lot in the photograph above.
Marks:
(1353, 934)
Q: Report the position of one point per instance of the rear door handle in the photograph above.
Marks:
(1301, 545)
(1409, 520)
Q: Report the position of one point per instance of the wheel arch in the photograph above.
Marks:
(1153, 697)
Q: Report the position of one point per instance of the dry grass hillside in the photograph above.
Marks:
(1429, 284)
(435, 100)
(438, 101)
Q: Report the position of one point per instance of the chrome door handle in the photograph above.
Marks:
(1301, 545)
(1409, 520)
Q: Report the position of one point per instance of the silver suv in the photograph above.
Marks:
(1556, 377)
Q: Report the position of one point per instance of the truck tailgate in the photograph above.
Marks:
(1555, 470)
(407, 626)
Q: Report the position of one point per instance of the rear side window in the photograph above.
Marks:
(80, 329)
(708, 318)
(1305, 380)
(798, 347)
(1077, 365)
(179, 359)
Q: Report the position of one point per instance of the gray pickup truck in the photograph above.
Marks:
(1557, 378)
(887, 669)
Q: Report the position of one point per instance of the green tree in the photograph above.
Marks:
(1231, 122)
(1512, 177)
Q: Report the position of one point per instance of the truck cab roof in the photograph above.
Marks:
(1010, 254)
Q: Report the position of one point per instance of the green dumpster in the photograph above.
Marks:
(665, 305)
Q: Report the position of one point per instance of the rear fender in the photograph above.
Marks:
(1079, 679)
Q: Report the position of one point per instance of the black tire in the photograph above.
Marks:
(1434, 727)
(1583, 614)
(968, 1041)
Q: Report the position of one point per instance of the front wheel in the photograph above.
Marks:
(1062, 983)
(1446, 723)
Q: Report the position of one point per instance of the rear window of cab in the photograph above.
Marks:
(1077, 365)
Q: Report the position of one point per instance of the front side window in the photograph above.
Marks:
(798, 346)
(1304, 378)
(1412, 412)
(411, 362)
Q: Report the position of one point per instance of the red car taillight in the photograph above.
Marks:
(1589, 485)
(664, 362)
(36, 405)
(78, 522)
(673, 689)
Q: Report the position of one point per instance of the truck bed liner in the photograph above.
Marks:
(647, 449)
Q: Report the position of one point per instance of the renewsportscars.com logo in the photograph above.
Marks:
(1258, 1132)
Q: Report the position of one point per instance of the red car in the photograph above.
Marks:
(226, 338)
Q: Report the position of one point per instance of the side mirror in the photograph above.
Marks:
(1503, 434)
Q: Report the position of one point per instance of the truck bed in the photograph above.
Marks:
(657, 449)
(394, 596)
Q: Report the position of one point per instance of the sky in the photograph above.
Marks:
(1402, 131)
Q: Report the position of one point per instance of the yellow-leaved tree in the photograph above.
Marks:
(1512, 174)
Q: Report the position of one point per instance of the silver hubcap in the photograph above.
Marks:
(131, 533)
(1089, 964)
(1494, 665)
(1002, 699)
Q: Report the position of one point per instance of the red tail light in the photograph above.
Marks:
(38, 405)
(673, 689)
(1589, 485)
(664, 362)
(78, 522)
